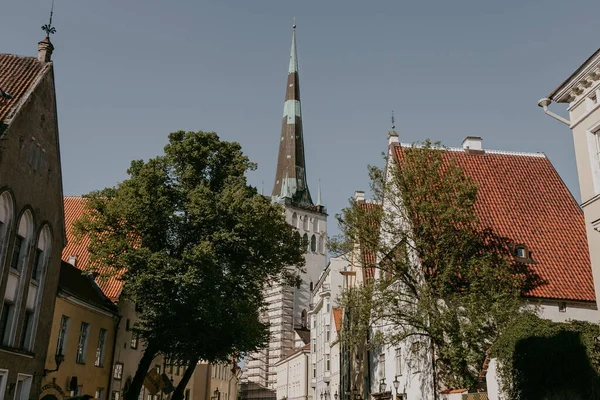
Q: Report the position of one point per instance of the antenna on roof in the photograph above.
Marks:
(48, 28)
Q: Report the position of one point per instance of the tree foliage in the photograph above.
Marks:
(442, 278)
(195, 246)
(541, 359)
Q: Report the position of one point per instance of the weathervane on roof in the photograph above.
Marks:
(48, 28)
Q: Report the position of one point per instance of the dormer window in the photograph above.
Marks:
(522, 254)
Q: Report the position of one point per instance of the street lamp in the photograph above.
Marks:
(335, 395)
(58, 359)
(382, 386)
(396, 383)
(321, 394)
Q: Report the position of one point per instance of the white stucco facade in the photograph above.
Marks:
(292, 376)
(325, 351)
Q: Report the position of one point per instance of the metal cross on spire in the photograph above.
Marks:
(48, 28)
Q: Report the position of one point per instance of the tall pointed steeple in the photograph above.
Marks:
(291, 166)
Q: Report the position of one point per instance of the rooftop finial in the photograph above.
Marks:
(48, 28)
(319, 198)
(294, 23)
(393, 121)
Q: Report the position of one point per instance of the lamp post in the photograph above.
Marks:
(396, 385)
(382, 385)
(335, 395)
(58, 359)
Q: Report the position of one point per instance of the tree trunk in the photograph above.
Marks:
(138, 380)
(187, 375)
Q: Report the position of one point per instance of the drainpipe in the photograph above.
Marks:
(544, 103)
(112, 357)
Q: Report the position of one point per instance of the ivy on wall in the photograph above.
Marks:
(545, 360)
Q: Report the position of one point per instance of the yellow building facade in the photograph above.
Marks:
(81, 340)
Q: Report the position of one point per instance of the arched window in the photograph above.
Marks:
(305, 241)
(295, 220)
(316, 225)
(41, 256)
(313, 243)
(22, 241)
(305, 225)
(6, 219)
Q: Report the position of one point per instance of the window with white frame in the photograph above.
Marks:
(134, 340)
(26, 333)
(3, 380)
(62, 335)
(327, 332)
(99, 362)
(100, 394)
(83, 342)
(305, 222)
(23, 387)
(6, 218)
(118, 372)
(398, 362)
(295, 220)
(327, 362)
(594, 146)
(7, 317)
(381, 366)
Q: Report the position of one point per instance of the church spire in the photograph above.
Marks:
(291, 166)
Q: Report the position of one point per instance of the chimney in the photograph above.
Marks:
(73, 260)
(359, 195)
(473, 144)
(45, 49)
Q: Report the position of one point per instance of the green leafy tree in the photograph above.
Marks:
(444, 281)
(195, 246)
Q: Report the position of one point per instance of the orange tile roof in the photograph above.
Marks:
(369, 258)
(522, 197)
(337, 317)
(74, 209)
(17, 75)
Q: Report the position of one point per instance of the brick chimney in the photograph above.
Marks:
(359, 195)
(473, 145)
(45, 49)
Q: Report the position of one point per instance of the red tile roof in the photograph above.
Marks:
(337, 317)
(17, 75)
(368, 256)
(74, 209)
(522, 197)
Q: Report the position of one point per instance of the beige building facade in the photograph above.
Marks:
(580, 93)
(82, 339)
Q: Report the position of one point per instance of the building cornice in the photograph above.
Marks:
(69, 298)
(579, 82)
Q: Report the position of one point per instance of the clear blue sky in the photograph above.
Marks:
(129, 72)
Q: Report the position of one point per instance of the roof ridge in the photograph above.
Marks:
(488, 151)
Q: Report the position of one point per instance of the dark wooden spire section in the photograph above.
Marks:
(290, 176)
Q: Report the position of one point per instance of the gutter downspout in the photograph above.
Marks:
(112, 356)
(544, 103)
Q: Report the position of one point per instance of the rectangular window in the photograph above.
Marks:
(398, 362)
(314, 345)
(134, 340)
(27, 330)
(6, 319)
(16, 262)
(187, 394)
(327, 332)
(100, 394)
(23, 387)
(327, 306)
(62, 335)
(115, 395)
(314, 370)
(327, 363)
(118, 373)
(100, 349)
(83, 341)
(381, 366)
(562, 306)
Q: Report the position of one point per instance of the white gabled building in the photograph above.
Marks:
(522, 197)
(325, 320)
